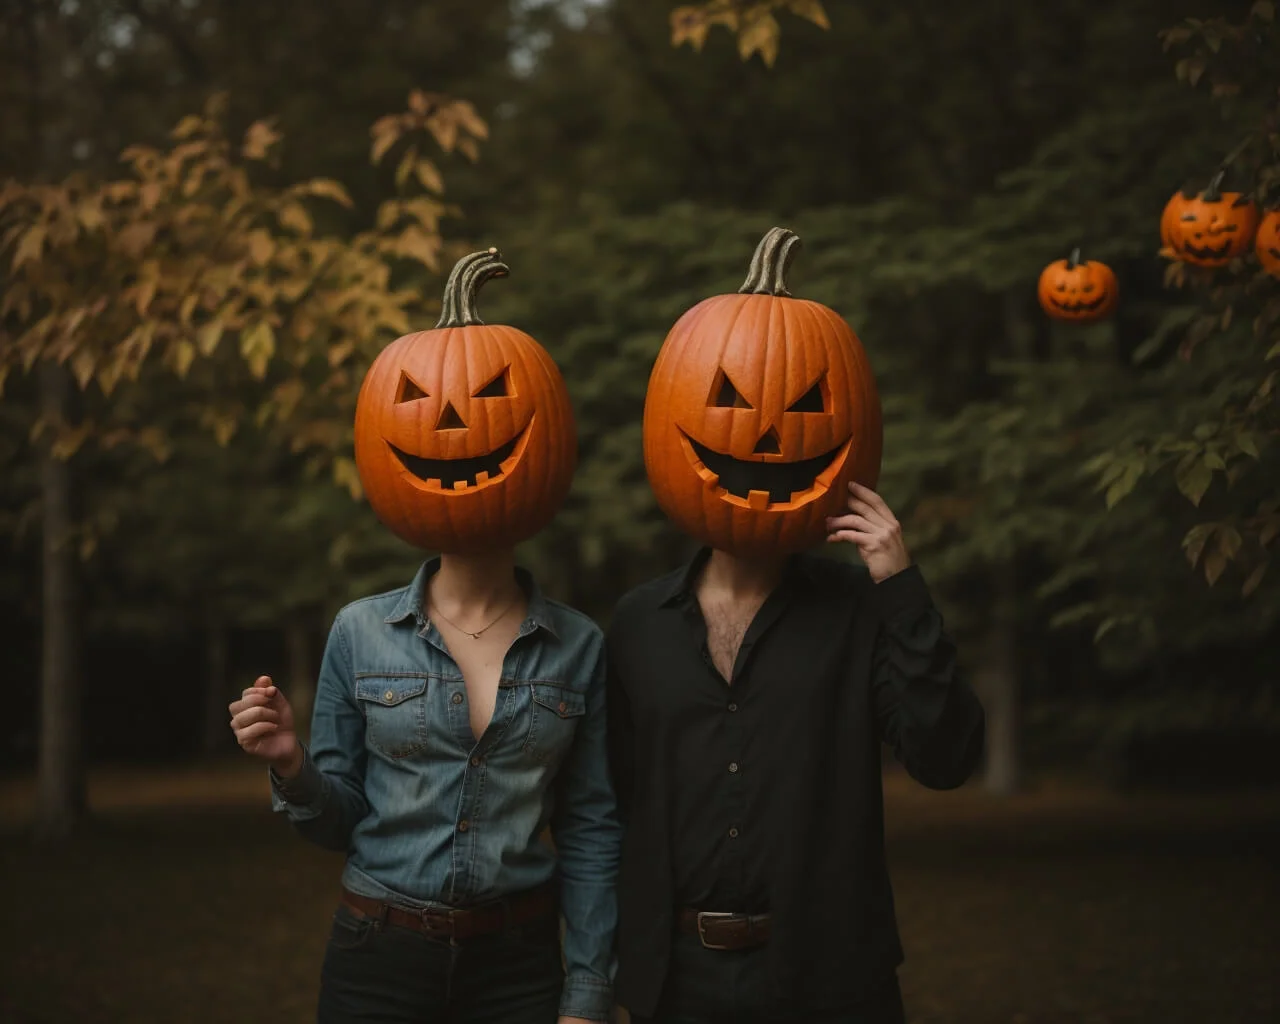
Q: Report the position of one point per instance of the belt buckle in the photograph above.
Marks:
(702, 932)
(436, 921)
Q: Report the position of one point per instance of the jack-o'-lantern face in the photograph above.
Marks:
(760, 409)
(1075, 289)
(1212, 228)
(1267, 243)
(464, 434)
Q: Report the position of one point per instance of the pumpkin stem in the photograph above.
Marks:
(468, 274)
(773, 256)
(1213, 193)
(1074, 260)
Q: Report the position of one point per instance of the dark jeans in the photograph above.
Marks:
(709, 986)
(397, 976)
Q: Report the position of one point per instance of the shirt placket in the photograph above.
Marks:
(463, 880)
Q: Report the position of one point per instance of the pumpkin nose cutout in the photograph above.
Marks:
(449, 419)
(768, 444)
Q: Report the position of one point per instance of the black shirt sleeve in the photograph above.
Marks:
(925, 710)
(620, 730)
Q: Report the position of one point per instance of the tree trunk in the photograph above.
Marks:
(215, 732)
(301, 688)
(1001, 686)
(61, 784)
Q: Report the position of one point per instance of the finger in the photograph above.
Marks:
(255, 731)
(251, 699)
(871, 498)
(871, 512)
(253, 715)
(263, 684)
(851, 522)
(865, 541)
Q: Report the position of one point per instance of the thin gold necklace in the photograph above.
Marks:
(476, 634)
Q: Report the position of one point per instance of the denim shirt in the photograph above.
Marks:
(428, 816)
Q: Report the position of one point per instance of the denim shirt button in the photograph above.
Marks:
(389, 696)
(475, 762)
(563, 707)
(463, 825)
(456, 698)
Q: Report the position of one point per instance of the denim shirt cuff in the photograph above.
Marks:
(301, 793)
(903, 597)
(585, 995)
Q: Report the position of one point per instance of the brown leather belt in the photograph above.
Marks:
(460, 922)
(724, 931)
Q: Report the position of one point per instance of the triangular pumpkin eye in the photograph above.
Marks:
(813, 400)
(725, 395)
(410, 390)
(496, 388)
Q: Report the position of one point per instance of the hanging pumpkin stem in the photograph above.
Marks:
(773, 256)
(1074, 260)
(468, 274)
(1213, 193)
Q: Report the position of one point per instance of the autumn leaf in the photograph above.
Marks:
(761, 36)
(345, 475)
(257, 346)
(134, 238)
(1193, 478)
(30, 246)
(811, 10)
(326, 188)
(689, 25)
(295, 218)
(429, 176)
(258, 140)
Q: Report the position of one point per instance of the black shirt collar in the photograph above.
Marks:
(681, 584)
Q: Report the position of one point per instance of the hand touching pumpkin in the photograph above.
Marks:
(871, 525)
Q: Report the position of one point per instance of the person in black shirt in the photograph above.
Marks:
(747, 703)
(748, 694)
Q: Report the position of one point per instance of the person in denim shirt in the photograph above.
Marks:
(458, 718)
(433, 818)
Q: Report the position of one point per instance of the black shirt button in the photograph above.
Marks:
(733, 707)
(733, 766)
(733, 833)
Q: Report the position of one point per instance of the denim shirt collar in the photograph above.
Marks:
(410, 603)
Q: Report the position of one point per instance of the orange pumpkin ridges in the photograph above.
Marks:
(1212, 228)
(1075, 289)
(464, 435)
(761, 408)
(1267, 242)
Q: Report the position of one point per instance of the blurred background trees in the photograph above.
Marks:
(933, 158)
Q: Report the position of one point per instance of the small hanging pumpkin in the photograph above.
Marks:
(1076, 289)
(760, 410)
(464, 435)
(1212, 228)
(1267, 242)
(1169, 218)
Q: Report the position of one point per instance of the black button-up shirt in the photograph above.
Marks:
(763, 793)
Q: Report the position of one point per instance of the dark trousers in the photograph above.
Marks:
(395, 975)
(709, 986)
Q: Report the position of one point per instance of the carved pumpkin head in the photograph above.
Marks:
(1212, 228)
(1075, 289)
(464, 436)
(1267, 243)
(760, 410)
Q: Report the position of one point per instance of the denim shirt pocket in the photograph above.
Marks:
(554, 714)
(395, 711)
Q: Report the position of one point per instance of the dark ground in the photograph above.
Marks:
(187, 902)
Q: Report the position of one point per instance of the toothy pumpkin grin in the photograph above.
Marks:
(759, 484)
(1081, 306)
(460, 474)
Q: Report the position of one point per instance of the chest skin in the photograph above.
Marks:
(480, 660)
(727, 624)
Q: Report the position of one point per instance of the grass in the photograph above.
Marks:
(187, 901)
